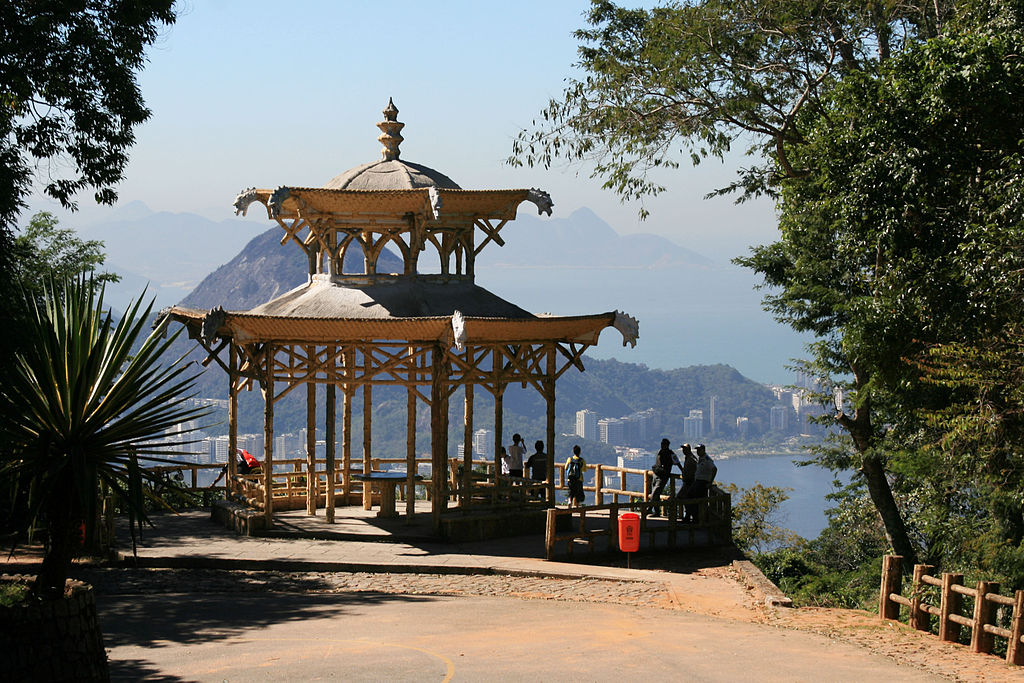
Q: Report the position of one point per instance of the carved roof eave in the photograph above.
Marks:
(432, 204)
(246, 328)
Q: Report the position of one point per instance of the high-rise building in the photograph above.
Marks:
(693, 426)
(483, 443)
(586, 425)
(612, 431)
(713, 415)
(779, 421)
(220, 449)
(742, 427)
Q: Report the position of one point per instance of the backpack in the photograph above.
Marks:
(574, 469)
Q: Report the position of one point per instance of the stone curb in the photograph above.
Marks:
(773, 597)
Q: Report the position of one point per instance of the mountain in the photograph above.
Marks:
(265, 269)
(583, 239)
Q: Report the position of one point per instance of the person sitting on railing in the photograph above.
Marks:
(538, 464)
(247, 464)
(662, 473)
(703, 477)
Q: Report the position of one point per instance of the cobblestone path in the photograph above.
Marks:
(111, 581)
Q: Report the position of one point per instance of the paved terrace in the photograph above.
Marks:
(388, 603)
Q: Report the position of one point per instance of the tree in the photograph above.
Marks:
(893, 239)
(80, 405)
(68, 98)
(46, 252)
(890, 186)
(708, 74)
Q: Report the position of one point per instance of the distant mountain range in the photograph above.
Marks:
(176, 252)
(583, 239)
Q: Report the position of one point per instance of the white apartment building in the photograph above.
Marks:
(586, 425)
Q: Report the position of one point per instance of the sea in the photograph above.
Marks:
(807, 487)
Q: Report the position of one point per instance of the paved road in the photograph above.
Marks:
(548, 631)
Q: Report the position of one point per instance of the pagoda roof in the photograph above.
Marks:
(423, 308)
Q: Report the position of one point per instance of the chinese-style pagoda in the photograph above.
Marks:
(430, 333)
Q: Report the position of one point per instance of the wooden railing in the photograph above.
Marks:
(987, 602)
(713, 519)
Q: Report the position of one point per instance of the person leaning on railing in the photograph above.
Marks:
(703, 476)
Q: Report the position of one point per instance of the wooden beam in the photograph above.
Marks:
(311, 494)
(549, 398)
(437, 456)
(410, 455)
(499, 426)
(232, 464)
(367, 442)
(467, 448)
(329, 441)
(268, 439)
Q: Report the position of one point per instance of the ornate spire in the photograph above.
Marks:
(390, 132)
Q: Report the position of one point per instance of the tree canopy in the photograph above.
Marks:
(889, 135)
(69, 100)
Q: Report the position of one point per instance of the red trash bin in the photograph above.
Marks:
(629, 532)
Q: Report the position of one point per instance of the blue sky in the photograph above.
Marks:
(263, 94)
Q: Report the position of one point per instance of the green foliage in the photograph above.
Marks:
(46, 252)
(81, 403)
(12, 594)
(755, 513)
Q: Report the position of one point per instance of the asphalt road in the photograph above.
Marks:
(377, 637)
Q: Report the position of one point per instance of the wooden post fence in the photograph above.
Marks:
(985, 595)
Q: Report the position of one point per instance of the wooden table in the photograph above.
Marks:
(388, 484)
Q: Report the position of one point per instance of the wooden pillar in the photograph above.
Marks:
(346, 427)
(549, 398)
(410, 454)
(467, 449)
(1014, 650)
(951, 602)
(329, 442)
(311, 489)
(981, 640)
(499, 426)
(438, 455)
(919, 619)
(268, 438)
(367, 437)
(232, 421)
(892, 580)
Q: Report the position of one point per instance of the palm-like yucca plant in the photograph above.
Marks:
(78, 406)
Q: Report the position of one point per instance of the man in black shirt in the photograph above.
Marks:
(662, 473)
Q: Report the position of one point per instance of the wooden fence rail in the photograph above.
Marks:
(714, 518)
(986, 603)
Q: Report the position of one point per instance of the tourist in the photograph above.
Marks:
(538, 464)
(703, 477)
(515, 456)
(575, 466)
(662, 473)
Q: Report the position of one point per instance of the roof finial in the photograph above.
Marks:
(390, 132)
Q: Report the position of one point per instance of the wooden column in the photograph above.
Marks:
(467, 448)
(438, 456)
(919, 619)
(892, 580)
(499, 425)
(232, 420)
(329, 442)
(367, 438)
(410, 454)
(982, 640)
(268, 437)
(311, 494)
(950, 603)
(346, 443)
(549, 398)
